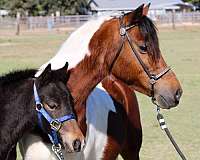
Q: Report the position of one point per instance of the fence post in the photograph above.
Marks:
(173, 19)
(18, 23)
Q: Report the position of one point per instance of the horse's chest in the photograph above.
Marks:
(98, 106)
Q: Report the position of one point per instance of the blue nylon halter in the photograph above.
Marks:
(54, 123)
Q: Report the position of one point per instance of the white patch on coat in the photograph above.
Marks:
(75, 48)
(99, 104)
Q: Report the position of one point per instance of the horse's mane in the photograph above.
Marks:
(16, 76)
(149, 32)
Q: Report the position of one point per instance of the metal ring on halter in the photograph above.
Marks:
(56, 147)
(122, 31)
(55, 125)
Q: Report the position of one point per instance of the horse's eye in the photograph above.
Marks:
(143, 48)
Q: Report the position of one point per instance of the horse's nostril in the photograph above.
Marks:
(178, 95)
(76, 145)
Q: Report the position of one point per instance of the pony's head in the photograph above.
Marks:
(57, 102)
(136, 57)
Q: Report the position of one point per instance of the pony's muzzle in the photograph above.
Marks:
(72, 137)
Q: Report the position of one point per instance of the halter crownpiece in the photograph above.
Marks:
(54, 123)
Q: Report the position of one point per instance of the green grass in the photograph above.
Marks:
(181, 49)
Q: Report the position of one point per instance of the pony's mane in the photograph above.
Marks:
(16, 76)
(149, 32)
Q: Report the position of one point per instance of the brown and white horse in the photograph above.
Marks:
(126, 52)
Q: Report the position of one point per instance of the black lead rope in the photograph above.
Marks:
(164, 127)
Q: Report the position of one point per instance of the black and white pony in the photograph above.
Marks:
(23, 99)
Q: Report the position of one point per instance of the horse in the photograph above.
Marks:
(19, 111)
(123, 52)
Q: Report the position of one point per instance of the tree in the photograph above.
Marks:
(192, 1)
(2, 4)
(66, 7)
(45, 7)
(23, 6)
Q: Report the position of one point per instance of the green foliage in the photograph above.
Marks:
(45, 7)
(2, 4)
(192, 1)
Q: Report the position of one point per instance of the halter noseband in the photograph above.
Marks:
(152, 77)
(54, 123)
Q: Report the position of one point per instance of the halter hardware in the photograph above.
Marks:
(54, 123)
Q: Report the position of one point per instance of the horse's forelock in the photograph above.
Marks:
(149, 32)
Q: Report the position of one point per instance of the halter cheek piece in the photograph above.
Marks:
(125, 36)
(54, 123)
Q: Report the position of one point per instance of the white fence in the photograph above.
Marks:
(31, 23)
(177, 18)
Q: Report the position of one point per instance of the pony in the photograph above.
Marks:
(123, 52)
(19, 111)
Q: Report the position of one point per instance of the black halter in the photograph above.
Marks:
(125, 36)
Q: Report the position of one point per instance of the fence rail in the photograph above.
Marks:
(177, 18)
(31, 23)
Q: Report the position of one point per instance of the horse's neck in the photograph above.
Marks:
(16, 116)
(81, 83)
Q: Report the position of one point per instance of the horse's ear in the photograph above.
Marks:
(146, 10)
(138, 12)
(134, 16)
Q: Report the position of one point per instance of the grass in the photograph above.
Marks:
(181, 49)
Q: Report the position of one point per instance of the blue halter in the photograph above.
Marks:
(54, 123)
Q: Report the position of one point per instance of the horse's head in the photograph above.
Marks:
(138, 61)
(57, 102)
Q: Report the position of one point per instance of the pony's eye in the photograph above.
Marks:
(52, 105)
(143, 48)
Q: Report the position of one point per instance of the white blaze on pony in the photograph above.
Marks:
(99, 103)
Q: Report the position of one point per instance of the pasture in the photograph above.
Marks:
(181, 49)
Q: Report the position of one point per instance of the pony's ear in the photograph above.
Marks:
(146, 10)
(134, 16)
(43, 78)
(62, 73)
(46, 71)
(63, 69)
(66, 66)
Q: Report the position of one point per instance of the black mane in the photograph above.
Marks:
(149, 32)
(16, 76)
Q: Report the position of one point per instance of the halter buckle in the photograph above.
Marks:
(55, 125)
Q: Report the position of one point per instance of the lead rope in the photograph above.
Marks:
(161, 119)
(164, 127)
(57, 149)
